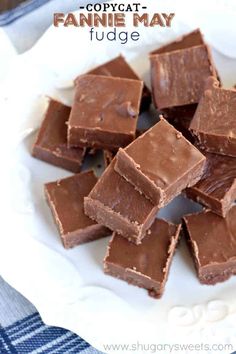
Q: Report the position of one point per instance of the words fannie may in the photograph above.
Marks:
(112, 20)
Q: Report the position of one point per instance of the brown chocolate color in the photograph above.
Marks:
(217, 187)
(115, 203)
(189, 40)
(178, 77)
(51, 143)
(160, 163)
(146, 265)
(6, 5)
(212, 240)
(65, 198)
(180, 118)
(119, 67)
(214, 123)
(108, 156)
(105, 112)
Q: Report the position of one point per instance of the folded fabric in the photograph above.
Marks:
(23, 331)
(24, 7)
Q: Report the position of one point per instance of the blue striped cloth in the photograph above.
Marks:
(22, 330)
(23, 8)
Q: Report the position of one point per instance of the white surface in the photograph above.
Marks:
(68, 287)
(26, 30)
(7, 54)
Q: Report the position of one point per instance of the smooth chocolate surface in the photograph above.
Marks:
(189, 40)
(65, 198)
(115, 203)
(214, 123)
(217, 187)
(146, 265)
(160, 163)
(212, 241)
(105, 112)
(119, 67)
(181, 116)
(178, 77)
(51, 143)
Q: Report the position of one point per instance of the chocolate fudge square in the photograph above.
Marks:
(105, 112)
(160, 163)
(212, 240)
(146, 265)
(65, 198)
(51, 143)
(214, 123)
(181, 116)
(119, 67)
(178, 77)
(115, 203)
(192, 39)
(217, 187)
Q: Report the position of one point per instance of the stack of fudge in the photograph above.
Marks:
(191, 150)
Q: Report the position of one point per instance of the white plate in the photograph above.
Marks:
(69, 288)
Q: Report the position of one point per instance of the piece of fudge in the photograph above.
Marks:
(105, 112)
(65, 198)
(217, 187)
(214, 123)
(192, 39)
(119, 67)
(212, 241)
(180, 117)
(178, 77)
(146, 265)
(160, 163)
(115, 203)
(51, 143)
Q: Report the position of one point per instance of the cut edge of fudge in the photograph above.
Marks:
(56, 157)
(132, 276)
(134, 232)
(65, 163)
(96, 137)
(182, 42)
(80, 135)
(220, 207)
(213, 142)
(99, 212)
(128, 168)
(154, 57)
(146, 94)
(208, 274)
(216, 190)
(80, 236)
